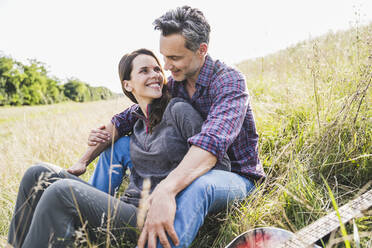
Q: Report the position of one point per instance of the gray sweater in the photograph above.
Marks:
(154, 155)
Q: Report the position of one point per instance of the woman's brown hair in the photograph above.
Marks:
(158, 105)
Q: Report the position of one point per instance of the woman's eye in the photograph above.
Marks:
(157, 69)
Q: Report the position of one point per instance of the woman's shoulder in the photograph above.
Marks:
(181, 116)
(177, 101)
(179, 110)
(179, 105)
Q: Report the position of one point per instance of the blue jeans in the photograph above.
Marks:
(210, 193)
(108, 173)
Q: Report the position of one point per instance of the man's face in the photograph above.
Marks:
(182, 62)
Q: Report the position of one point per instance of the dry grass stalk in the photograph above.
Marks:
(144, 203)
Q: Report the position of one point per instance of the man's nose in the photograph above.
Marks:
(167, 65)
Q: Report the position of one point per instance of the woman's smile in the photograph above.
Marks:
(154, 85)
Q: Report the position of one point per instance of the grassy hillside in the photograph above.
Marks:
(312, 104)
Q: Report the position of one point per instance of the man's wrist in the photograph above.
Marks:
(84, 162)
(168, 187)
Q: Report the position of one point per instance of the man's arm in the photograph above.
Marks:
(219, 130)
(98, 141)
(195, 163)
(161, 214)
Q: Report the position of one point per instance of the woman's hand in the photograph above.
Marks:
(99, 135)
(77, 169)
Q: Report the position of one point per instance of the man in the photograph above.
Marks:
(179, 204)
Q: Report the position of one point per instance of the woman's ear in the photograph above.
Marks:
(127, 86)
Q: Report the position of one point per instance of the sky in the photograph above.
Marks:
(85, 39)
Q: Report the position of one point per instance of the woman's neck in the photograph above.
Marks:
(144, 107)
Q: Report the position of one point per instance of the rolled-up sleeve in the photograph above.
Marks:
(226, 115)
(124, 121)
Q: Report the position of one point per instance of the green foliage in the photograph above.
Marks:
(31, 85)
(76, 91)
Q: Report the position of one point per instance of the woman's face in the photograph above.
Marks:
(147, 79)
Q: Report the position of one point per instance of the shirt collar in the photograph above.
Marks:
(137, 111)
(206, 71)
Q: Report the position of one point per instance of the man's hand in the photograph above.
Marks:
(99, 135)
(162, 211)
(159, 220)
(77, 169)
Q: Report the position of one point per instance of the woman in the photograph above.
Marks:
(53, 203)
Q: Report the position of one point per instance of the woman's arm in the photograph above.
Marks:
(99, 140)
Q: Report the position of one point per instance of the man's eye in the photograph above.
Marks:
(174, 58)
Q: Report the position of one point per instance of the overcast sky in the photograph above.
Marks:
(86, 38)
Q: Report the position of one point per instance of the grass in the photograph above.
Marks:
(312, 104)
(53, 133)
(313, 112)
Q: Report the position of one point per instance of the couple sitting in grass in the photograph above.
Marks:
(193, 138)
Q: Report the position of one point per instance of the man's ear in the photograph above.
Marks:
(127, 86)
(203, 49)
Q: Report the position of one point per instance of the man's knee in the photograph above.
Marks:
(208, 181)
(204, 185)
(120, 145)
(122, 141)
(216, 188)
(119, 155)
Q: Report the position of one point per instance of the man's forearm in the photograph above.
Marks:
(94, 151)
(196, 163)
(162, 202)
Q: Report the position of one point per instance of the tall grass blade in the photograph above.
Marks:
(342, 227)
(356, 235)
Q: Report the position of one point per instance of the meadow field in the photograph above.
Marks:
(312, 104)
(52, 133)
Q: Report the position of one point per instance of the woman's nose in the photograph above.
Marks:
(157, 74)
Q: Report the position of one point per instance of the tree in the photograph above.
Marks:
(30, 84)
(76, 90)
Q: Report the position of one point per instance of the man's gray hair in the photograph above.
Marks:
(187, 21)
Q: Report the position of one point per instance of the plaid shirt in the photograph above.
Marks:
(222, 99)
